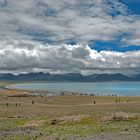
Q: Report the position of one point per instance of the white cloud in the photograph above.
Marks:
(64, 58)
(61, 21)
(24, 23)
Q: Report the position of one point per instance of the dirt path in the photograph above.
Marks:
(79, 105)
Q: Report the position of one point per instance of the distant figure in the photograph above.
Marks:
(130, 100)
(16, 104)
(119, 100)
(6, 98)
(127, 101)
(94, 102)
(62, 93)
(116, 101)
(33, 102)
(7, 104)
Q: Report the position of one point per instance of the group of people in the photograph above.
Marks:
(128, 100)
(17, 104)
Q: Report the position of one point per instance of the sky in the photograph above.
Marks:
(70, 36)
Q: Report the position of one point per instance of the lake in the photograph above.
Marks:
(98, 88)
(1, 88)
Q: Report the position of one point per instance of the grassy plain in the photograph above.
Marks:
(66, 117)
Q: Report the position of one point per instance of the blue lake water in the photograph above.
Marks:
(98, 88)
(1, 88)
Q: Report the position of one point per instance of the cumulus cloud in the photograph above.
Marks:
(62, 21)
(36, 36)
(64, 58)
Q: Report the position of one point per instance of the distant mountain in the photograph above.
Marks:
(108, 77)
(136, 77)
(73, 77)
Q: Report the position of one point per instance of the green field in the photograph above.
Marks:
(63, 117)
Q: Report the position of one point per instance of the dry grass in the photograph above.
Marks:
(59, 106)
(46, 108)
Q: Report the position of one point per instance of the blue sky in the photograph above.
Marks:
(116, 45)
(113, 46)
(80, 36)
(133, 5)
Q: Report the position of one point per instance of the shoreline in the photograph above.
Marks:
(31, 113)
(8, 86)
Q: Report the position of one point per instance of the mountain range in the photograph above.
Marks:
(73, 77)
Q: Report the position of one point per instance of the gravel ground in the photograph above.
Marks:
(108, 137)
